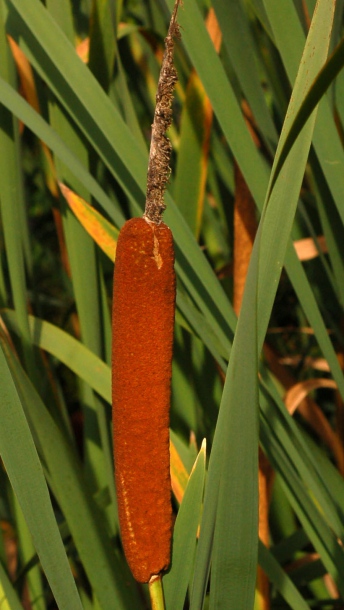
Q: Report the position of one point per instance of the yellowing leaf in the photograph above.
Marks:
(100, 229)
(179, 475)
(27, 80)
(29, 92)
(300, 390)
(82, 50)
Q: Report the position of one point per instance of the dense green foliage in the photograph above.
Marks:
(81, 117)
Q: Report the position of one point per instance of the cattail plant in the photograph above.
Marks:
(143, 324)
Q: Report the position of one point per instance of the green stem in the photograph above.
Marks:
(156, 593)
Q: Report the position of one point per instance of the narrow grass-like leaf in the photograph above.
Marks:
(191, 167)
(20, 108)
(83, 265)
(279, 578)
(8, 596)
(333, 231)
(79, 358)
(80, 248)
(310, 571)
(235, 28)
(235, 530)
(25, 472)
(285, 188)
(234, 558)
(102, 231)
(12, 202)
(326, 140)
(319, 87)
(202, 328)
(92, 105)
(190, 262)
(302, 460)
(107, 575)
(222, 98)
(81, 253)
(86, 101)
(330, 477)
(27, 550)
(102, 48)
(179, 474)
(68, 350)
(313, 522)
(176, 581)
(61, 11)
(289, 460)
(229, 535)
(310, 306)
(109, 130)
(285, 550)
(259, 8)
(86, 365)
(225, 107)
(128, 106)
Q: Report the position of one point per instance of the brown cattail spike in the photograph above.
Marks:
(160, 149)
(143, 322)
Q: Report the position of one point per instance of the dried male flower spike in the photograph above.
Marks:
(142, 349)
(160, 149)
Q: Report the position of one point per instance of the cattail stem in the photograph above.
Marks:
(156, 593)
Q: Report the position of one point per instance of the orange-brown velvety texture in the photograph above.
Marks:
(142, 335)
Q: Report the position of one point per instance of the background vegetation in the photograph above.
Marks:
(77, 87)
